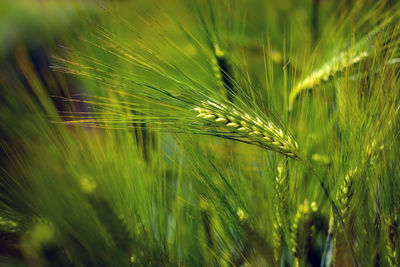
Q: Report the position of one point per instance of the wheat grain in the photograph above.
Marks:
(255, 130)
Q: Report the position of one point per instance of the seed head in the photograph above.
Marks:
(256, 130)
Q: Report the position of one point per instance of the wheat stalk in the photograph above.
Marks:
(254, 129)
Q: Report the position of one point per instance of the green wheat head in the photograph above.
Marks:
(256, 131)
(302, 230)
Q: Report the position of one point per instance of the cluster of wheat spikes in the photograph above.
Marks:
(243, 124)
(109, 156)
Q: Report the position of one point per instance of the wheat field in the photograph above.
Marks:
(199, 133)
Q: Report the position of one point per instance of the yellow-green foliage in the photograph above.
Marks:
(192, 133)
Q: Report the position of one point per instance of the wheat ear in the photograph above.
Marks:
(326, 73)
(392, 232)
(282, 191)
(253, 129)
(344, 195)
(223, 71)
(302, 231)
(343, 200)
